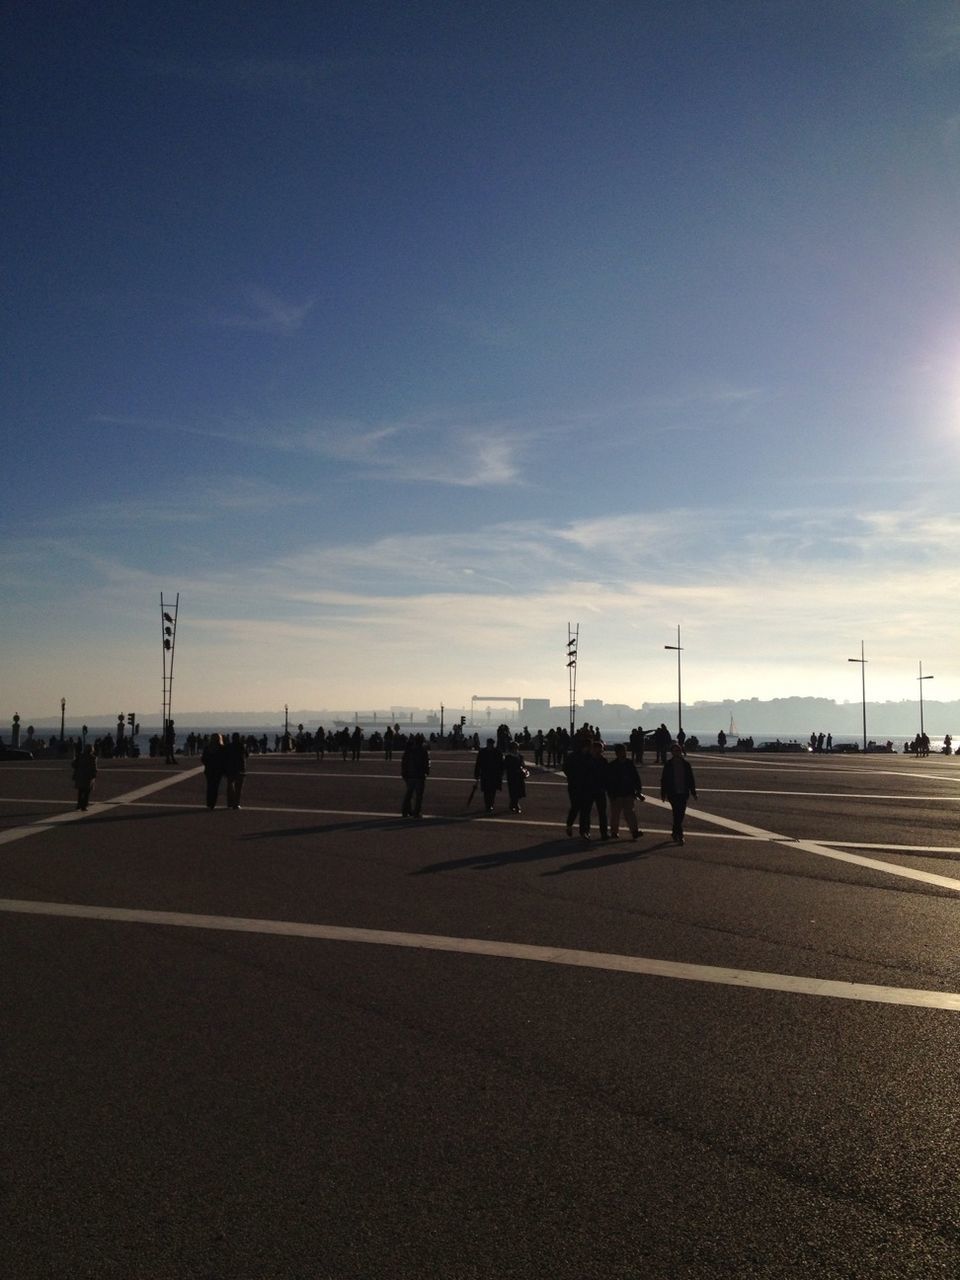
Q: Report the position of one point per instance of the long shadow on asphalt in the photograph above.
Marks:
(610, 859)
(120, 813)
(360, 824)
(504, 858)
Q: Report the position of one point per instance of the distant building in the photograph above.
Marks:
(536, 709)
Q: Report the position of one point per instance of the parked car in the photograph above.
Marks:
(14, 753)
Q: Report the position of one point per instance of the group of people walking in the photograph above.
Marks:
(492, 766)
(611, 787)
(592, 780)
(224, 759)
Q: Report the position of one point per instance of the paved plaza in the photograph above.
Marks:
(312, 1039)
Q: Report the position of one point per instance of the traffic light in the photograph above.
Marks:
(463, 720)
(131, 719)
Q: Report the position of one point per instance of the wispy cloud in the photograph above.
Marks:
(266, 312)
(456, 608)
(482, 455)
(937, 36)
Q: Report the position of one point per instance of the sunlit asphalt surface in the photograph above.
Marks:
(192, 1102)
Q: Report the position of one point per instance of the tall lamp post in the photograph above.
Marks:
(863, 685)
(573, 641)
(679, 650)
(921, 677)
(63, 717)
(169, 612)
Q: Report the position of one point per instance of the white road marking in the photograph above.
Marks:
(100, 806)
(836, 767)
(822, 851)
(908, 797)
(897, 848)
(748, 978)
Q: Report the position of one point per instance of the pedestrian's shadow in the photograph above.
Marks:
(323, 828)
(504, 858)
(604, 860)
(360, 824)
(120, 813)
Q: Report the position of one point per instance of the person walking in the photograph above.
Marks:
(213, 764)
(516, 773)
(597, 768)
(677, 785)
(488, 770)
(235, 768)
(84, 775)
(576, 768)
(414, 769)
(623, 787)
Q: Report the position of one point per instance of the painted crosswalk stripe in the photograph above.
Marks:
(640, 965)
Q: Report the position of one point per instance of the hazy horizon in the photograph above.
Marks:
(788, 716)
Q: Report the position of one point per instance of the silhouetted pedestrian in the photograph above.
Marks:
(84, 775)
(414, 769)
(516, 774)
(213, 765)
(677, 784)
(488, 770)
(235, 767)
(597, 774)
(623, 787)
(576, 768)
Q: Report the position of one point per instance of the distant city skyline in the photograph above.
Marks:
(788, 717)
(396, 338)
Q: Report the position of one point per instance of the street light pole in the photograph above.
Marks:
(863, 685)
(679, 650)
(63, 716)
(921, 677)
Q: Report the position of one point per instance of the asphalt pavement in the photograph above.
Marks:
(311, 1039)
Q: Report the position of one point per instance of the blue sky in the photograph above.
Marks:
(396, 337)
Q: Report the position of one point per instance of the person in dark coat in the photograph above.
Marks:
(623, 787)
(597, 774)
(677, 785)
(488, 770)
(576, 767)
(516, 774)
(235, 767)
(84, 775)
(414, 769)
(213, 760)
